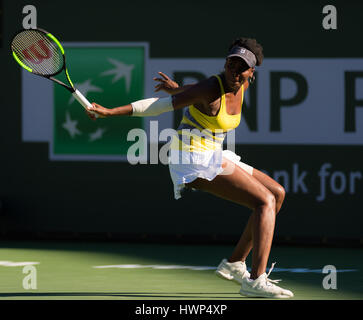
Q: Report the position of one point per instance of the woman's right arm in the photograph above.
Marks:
(199, 93)
(103, 112)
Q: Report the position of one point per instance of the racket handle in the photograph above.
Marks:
(83, 101)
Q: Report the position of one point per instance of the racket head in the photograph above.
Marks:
(38, 52)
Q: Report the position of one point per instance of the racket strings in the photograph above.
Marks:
(38, 52)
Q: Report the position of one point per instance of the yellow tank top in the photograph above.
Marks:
(200, 132)
(223, 120)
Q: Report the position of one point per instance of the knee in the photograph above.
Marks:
(268, 203)
(280, 194)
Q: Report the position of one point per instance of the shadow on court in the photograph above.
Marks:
(308, 284)
(219, 295)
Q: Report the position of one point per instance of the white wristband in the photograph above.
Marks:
(151, 107)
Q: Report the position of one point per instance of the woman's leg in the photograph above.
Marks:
(245, 243)
(242, 188)
(275, 188)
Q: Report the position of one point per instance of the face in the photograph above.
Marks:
(237, 72)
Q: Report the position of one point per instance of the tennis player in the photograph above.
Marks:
(196, 159)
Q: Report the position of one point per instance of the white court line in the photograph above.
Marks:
(200, 268)
(16, 264)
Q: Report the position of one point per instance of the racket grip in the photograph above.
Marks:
(83, 101)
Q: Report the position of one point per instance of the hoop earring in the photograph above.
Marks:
(252, 79)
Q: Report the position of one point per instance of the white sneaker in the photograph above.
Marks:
(236, 271)
(264, 287)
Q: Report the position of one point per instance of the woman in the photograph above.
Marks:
(197, 160)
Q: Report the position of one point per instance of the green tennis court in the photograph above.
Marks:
(111, 270)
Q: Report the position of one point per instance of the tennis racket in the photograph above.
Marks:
(40, 53)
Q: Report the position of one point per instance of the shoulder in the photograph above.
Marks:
(209, 84)
(206, 89)
(211, 87)
(200, 93)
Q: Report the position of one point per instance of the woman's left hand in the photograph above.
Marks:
(165, 84)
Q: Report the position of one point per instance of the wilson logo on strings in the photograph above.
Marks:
(34, 55)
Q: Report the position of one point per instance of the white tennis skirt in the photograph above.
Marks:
(185, 166)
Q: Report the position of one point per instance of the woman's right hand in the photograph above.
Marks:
(101, 112)
(165, 84)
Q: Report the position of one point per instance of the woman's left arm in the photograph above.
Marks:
(168, 85)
